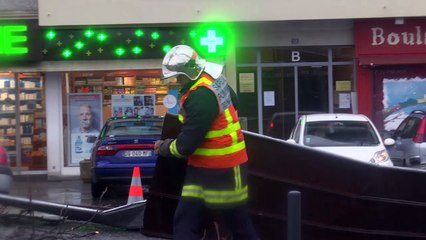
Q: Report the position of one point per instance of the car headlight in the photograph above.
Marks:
(380, 156)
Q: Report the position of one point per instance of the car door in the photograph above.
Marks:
(395, 151)
(404, 144)
(295, 133)
(422, 148)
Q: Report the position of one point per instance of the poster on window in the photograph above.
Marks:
(84, 118)
(400, 97)
(133, 105)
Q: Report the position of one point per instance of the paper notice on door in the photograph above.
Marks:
(246, 82)
(343, 86)
(269, 98)
(344, 100)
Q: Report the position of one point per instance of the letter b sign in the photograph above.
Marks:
(295, 56)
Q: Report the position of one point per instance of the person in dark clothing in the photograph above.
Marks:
(212, 141)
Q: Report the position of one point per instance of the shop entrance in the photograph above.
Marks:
(289, 92)
(277, 85)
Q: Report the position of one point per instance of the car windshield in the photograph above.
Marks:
(339, 133)
(125, 127)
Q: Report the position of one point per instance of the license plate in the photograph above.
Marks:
(137, 153)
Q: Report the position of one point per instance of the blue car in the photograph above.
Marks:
(124, 143)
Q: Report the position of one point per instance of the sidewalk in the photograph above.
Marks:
(17, 223)
(69, 190)
(66, 190)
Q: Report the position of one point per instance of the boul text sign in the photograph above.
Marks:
(13, 39)
(384, 37)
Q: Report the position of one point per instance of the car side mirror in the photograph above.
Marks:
(91, 139)
(389, 141)
(291, 141)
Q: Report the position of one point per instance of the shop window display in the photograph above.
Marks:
(123, 93)
(22, 120)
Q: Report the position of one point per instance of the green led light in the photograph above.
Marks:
(50, 34)
(166, 48)
(193, 34)
(120, 51)
(102, 37)
(66, 53)
(211, 41)
(137, 50)
(79, 45)
(155, 35)
(89, 33)
(139, 33)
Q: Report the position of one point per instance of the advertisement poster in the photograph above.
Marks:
(84, 118)
(400, 97)
(133, 105)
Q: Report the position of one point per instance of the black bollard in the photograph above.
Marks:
(293, 218)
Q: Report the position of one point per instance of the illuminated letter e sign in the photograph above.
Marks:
(11, 37)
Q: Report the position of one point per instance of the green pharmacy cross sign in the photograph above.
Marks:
(137, 42)
(13, 39)
(211, 41)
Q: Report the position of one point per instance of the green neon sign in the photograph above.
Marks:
(11, 39)
(211, 41)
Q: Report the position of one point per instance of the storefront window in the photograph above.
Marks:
(23, 120)
(247, 98)
(343, 89)
(343, 54)
(109, 94)
(398, 90)
(296, 81)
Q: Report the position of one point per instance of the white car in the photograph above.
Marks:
(349, 135)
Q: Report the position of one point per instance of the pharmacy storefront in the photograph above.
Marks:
(113, 71)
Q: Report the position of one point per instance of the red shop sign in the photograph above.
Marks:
(384, 37)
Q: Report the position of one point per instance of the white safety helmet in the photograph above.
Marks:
(184, 60)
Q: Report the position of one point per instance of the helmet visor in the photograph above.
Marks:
(182, 60)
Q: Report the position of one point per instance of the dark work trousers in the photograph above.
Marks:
(191, 216)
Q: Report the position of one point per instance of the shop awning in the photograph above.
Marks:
(391, 59)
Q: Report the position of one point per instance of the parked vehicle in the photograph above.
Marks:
(410, 141)
(124, 143)
(350, 135)
(282, 123)
(6, 178)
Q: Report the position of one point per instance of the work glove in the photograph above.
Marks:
(157, 145)
(161, 147)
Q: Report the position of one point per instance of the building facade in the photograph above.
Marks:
(284, 59)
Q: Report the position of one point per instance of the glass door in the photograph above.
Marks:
(312, 89)
(279, 106)
(289, 92)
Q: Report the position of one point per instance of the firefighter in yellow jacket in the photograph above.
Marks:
(212, 141)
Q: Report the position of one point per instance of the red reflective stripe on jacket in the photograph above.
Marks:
(224, 161)
(218, 142)
(224, 123)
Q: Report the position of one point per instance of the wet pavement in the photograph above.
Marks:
(16, 223)
(66, 190)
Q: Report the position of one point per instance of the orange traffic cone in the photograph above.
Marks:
(136, 191)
